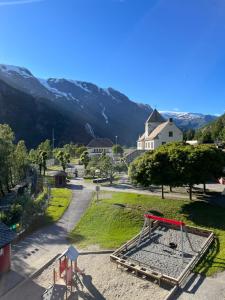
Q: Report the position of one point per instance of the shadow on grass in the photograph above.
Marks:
(155, 213)
(204, 214)
(210, 216)
(210, 260)
(76, 238)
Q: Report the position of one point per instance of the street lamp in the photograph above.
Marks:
(116, 144)
(97, 172)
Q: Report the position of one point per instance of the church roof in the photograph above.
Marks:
(142, 137)
(156, 131)
(155, 117)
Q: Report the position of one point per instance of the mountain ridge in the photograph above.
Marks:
(96, 111)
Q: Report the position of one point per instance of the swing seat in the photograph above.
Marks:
(173, 245)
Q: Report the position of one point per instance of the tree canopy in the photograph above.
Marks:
(178, 164)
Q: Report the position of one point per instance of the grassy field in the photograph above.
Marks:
(59, 202)
(55, 168)
(113, 220)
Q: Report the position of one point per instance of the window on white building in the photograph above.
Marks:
(170, 133)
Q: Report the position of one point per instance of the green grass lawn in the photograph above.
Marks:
(59, 202)
(74, 161)
(55, 168)
(111, 222)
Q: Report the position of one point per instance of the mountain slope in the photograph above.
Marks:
(186, 120)
(77, 110)
(95, 111)
(214, 131)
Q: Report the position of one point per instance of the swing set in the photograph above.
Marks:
(148, 222)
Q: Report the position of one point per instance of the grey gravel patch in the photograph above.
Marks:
(157, 254)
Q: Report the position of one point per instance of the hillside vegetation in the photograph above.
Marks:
(214, 131)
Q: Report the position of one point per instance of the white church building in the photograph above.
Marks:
(158, 132)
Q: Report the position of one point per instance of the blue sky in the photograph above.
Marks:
(167, 53)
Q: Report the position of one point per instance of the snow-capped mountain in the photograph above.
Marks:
(82, 109)
(186, 120)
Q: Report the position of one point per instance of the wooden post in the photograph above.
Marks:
(150, 228)
(71, 264)
(54, 279)
(60, 267)
(142, 231)
(162, 192)
(66, 284)
(182, 243)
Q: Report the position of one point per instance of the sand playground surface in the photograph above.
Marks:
(104, 280)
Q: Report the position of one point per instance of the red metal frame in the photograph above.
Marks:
(165, 220)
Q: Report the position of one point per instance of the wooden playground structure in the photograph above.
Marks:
(165, 250)
(66, 277)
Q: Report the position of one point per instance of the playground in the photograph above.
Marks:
(101, 280)
(165, 250)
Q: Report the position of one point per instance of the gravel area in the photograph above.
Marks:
(103, 280)
(157, 253)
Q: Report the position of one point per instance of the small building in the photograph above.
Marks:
(98, 146)
(158, 131)
(60, 179)
(6, 237)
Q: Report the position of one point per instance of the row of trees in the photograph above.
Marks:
(178, 164)
(14, 160)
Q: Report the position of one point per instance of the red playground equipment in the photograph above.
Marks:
(148, 222)
(67, 275)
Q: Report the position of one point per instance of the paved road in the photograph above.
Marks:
(203, 288)
(37, 249)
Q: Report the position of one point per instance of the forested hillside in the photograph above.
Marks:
(213, 132)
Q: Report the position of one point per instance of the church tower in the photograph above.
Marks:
(154, 120)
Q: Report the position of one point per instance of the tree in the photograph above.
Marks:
(84, 158)
(106, 167)
(80, 149)
(177, 164)
(71, 149)
(64, 159)
(189, 135)
(117, 150)
(6, 153)
(45, 147)
(21, 162)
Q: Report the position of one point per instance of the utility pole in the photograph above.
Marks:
(116, 143)
(53, 139)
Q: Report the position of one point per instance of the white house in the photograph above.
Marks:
(158, 132)
(98, 146)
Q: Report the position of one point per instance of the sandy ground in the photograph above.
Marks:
(103, 280)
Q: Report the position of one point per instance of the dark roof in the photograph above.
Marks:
(6, 235)
(57, 173)
(155, 117)
(100, 142)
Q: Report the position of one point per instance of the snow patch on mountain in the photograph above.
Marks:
(182, 115)
(108, 93)
(89, 130)
(56, 92)
(80, 84)
(104, 115)
(9, 70)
